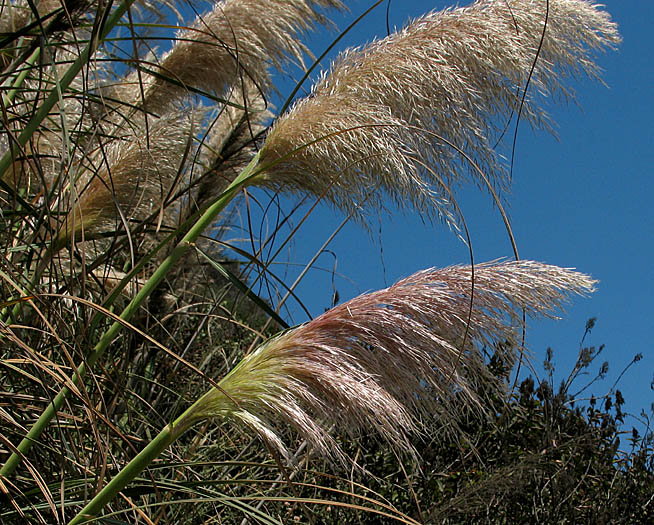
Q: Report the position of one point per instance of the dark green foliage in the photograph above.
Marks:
(539, 458)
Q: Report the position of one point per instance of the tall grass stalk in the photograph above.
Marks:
(155, 447)
(385, 360)
(208, 217)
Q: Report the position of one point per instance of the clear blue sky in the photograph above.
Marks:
(584, 201)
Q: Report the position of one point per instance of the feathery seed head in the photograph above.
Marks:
(390, 358)
(436, 94)
(238, 39)
(132, 177)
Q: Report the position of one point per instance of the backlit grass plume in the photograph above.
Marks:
(388, 359)
(237, 39)
(132, 176)
(441, 89)
(382, 361)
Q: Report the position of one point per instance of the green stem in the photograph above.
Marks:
(107, 338)
(20, 78)
(140, 462)
(54, 96)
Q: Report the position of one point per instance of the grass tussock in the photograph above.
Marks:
(131, 312)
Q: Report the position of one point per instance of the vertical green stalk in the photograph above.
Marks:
(107, 338)
(140, 462)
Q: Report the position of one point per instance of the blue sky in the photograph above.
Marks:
(584, 201)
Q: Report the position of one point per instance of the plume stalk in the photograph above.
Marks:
(383, 360)
(389, 359)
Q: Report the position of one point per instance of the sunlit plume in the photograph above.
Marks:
(389, 359)
(238, 39)
(411, 115)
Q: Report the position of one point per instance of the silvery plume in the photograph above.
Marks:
(411, 115)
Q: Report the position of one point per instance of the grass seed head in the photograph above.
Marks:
(131, 177)
(437, 93)
(238, 39)
(390, 359)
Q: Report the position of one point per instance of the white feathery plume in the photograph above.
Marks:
(388, 359)
(237, 39)
(436, 94)
(131, 177)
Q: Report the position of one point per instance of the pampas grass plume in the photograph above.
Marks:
(388, 359)
(436, 94)
(237, 39)
(134, 175)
